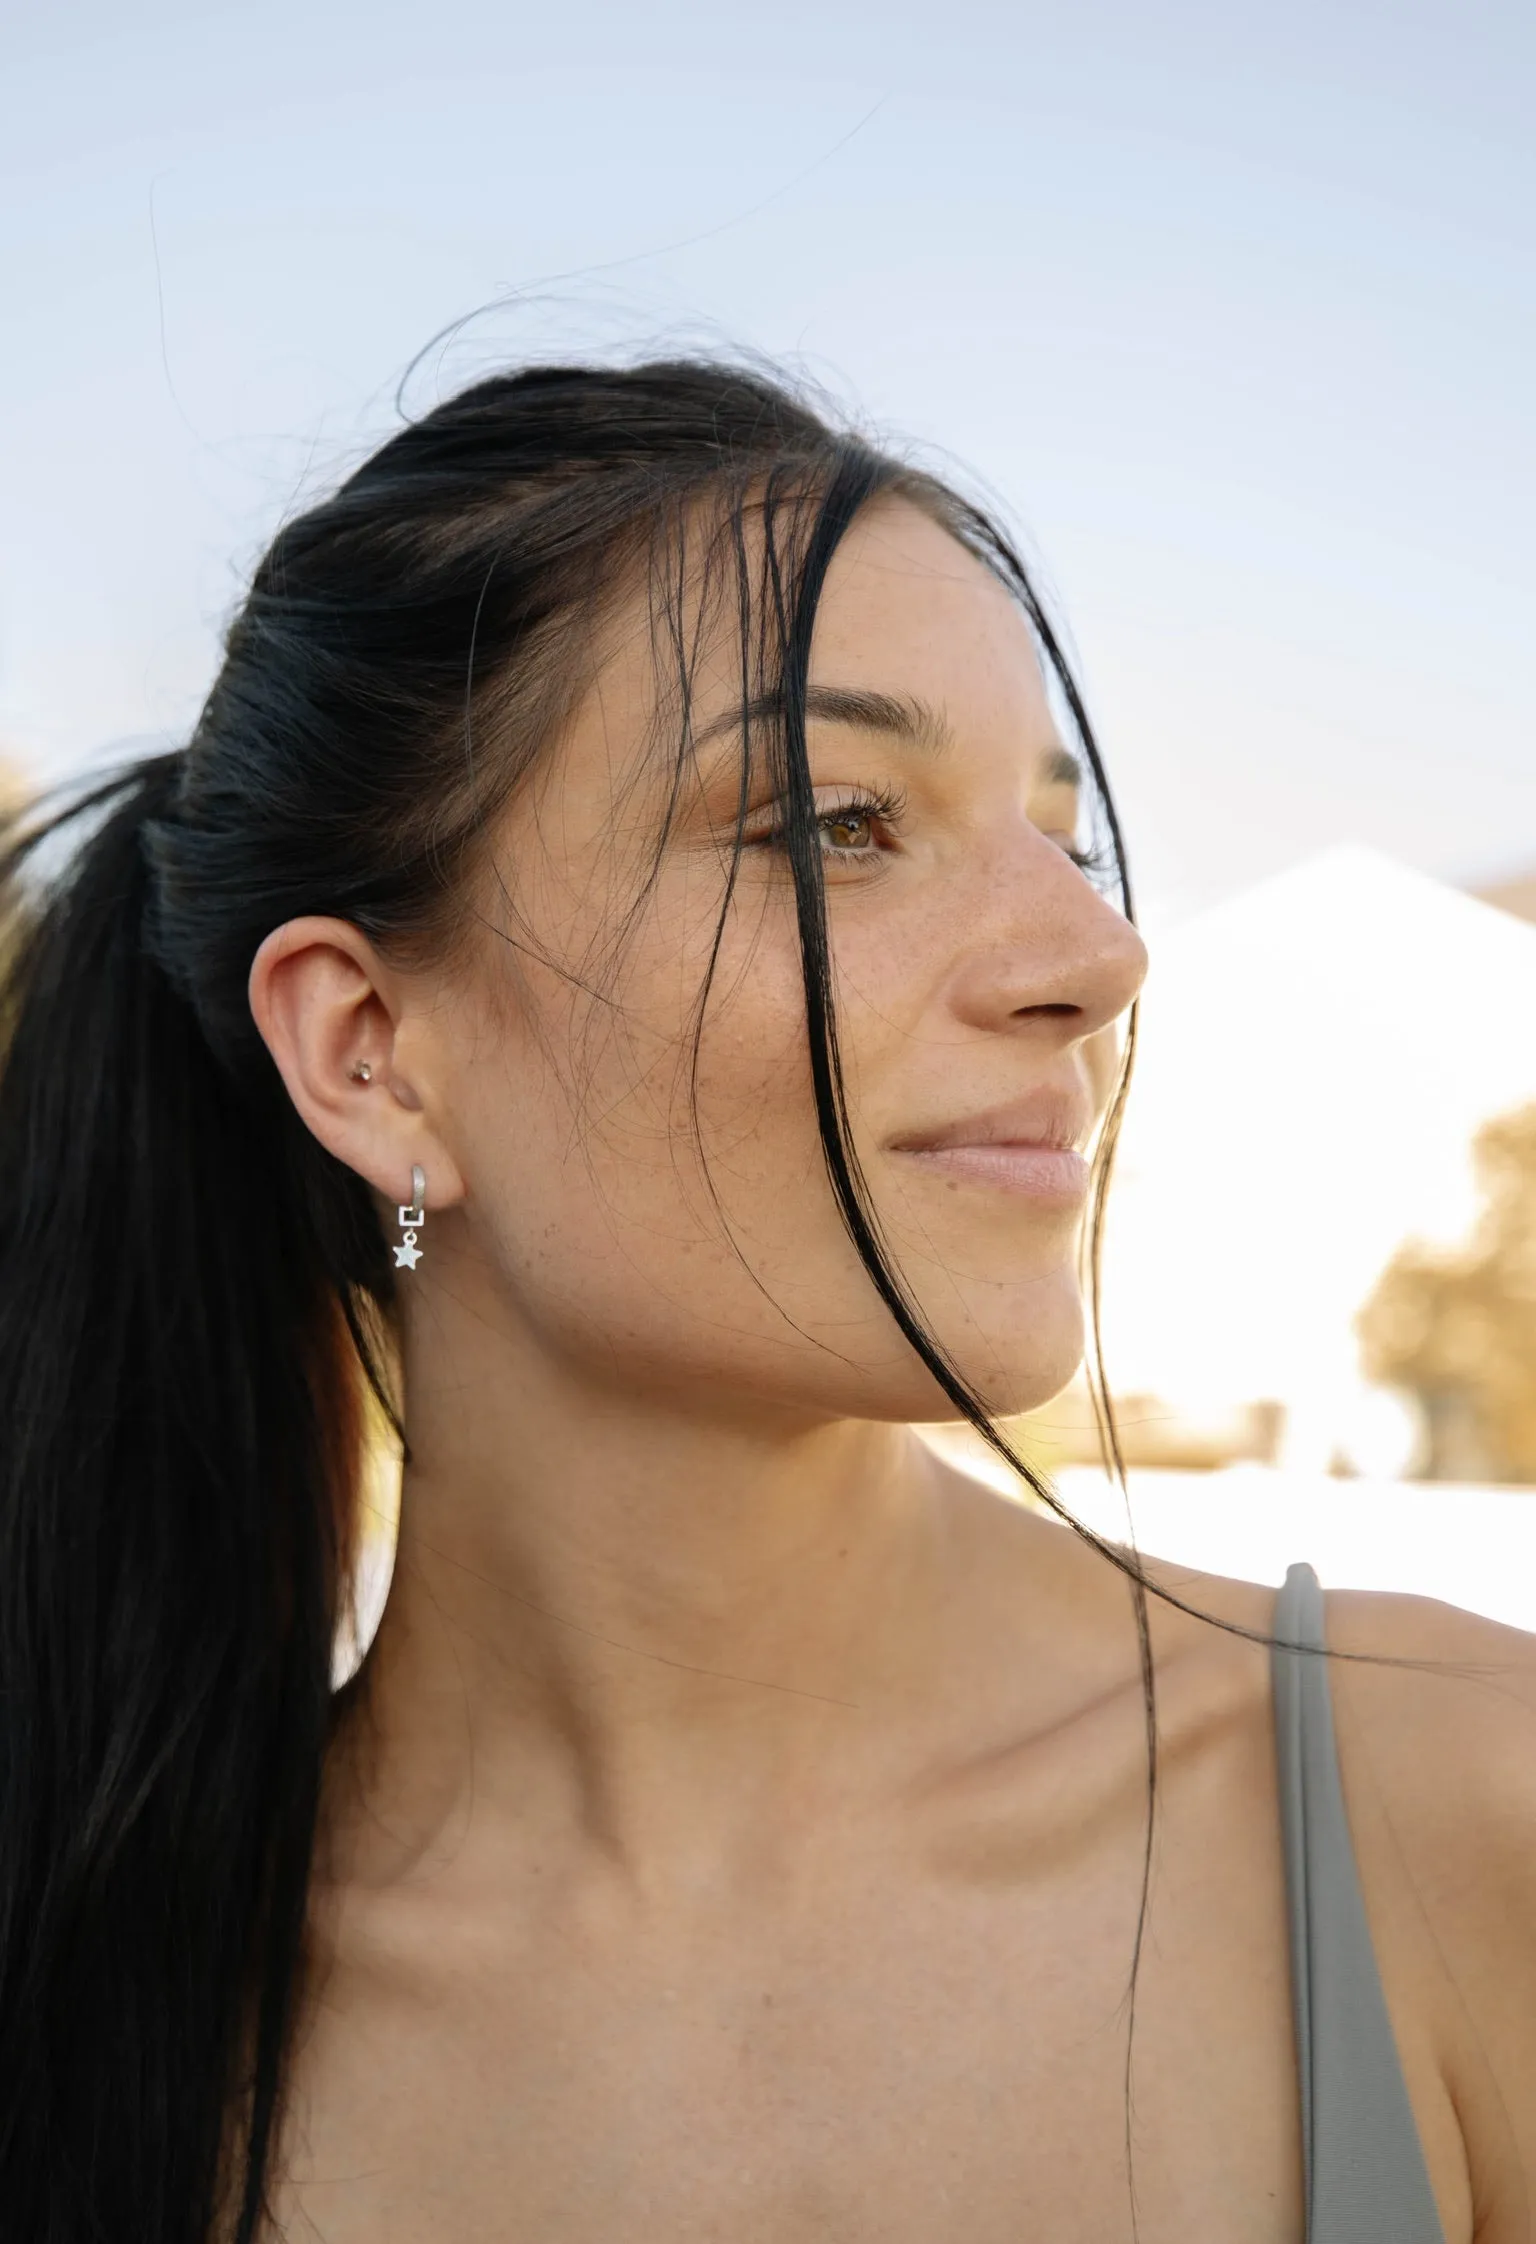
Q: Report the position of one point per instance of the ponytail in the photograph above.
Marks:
(178, 1399)
(190, 1287)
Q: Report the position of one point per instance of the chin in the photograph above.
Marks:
(1011, 1399)
(1014, 1372)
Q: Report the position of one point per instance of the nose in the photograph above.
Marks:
(1045, 953)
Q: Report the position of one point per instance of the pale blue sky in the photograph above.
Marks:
(1232, 307)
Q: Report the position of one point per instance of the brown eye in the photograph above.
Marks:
(848, 829)
(861, 828)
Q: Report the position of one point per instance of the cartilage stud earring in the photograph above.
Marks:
(408, 1254)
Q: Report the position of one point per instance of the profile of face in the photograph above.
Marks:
(624, 1167)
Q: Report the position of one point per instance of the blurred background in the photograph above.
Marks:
(1230, 310)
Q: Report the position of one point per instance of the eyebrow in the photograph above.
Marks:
(901, 716)
(1061, 769)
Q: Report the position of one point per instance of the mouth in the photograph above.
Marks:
(1030, 1148)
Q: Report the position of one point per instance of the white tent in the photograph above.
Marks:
(1317, 1055)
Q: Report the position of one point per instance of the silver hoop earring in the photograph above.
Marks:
(408, 1254)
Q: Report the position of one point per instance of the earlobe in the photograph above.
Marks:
(328, 1009)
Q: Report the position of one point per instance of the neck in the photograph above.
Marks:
(673, 1633)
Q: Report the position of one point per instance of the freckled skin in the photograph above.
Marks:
(740, 1832)
(707, 1237)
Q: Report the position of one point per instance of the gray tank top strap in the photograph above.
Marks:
(1366, 2180)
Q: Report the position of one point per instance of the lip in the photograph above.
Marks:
(1040, 1172)
(1032, 1146)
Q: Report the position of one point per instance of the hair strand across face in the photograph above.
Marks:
(196, 1298)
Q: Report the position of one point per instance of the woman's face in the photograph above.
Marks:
(669, 1221)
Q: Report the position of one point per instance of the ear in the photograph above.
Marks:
(329, 1009)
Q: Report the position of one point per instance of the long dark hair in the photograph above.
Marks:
(195, 1298)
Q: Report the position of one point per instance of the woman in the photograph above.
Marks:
(616, 967)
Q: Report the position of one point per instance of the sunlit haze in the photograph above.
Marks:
(1233, 310)
(1230, 311)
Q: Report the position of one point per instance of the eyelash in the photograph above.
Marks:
(885, 807)
(878, 807)
(1094, 863)
(874, 807)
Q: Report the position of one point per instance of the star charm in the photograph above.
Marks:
(406, 1258)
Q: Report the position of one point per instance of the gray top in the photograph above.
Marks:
(1366, 2180)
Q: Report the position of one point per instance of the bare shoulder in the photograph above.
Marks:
(1435, 1715)
(1435, 1711)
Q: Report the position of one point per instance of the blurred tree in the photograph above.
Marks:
(1456, 1328)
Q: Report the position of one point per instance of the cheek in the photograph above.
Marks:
(673, 1223)
(631, 1195)
(750, 1109)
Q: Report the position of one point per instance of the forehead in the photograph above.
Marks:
(906, 615)
(907, 609)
